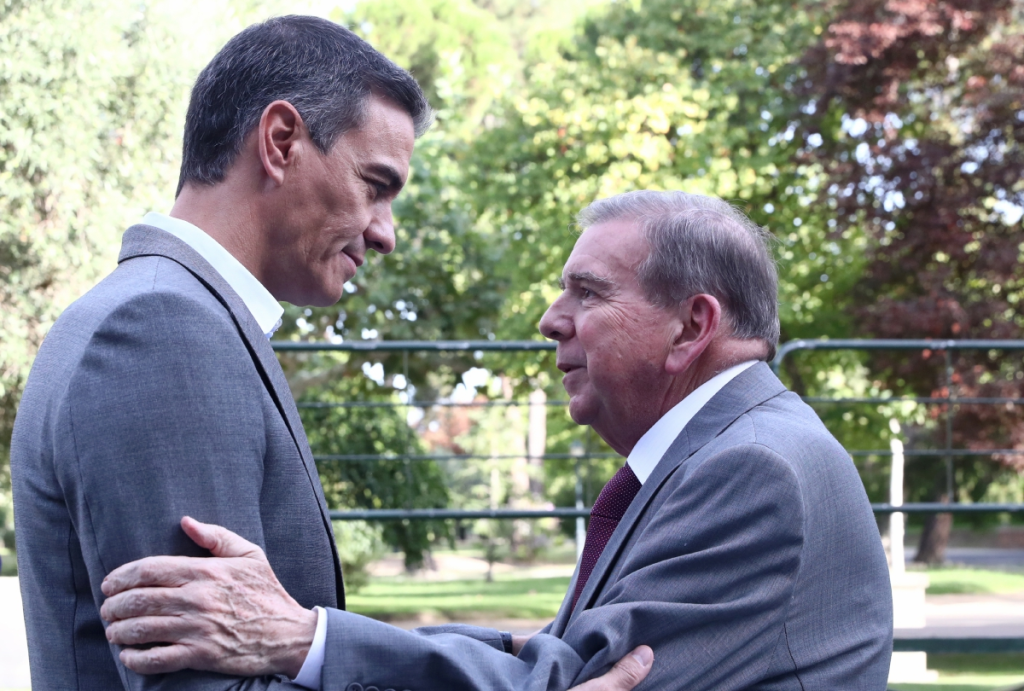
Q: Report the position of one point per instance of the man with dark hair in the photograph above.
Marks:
(157, 394)
(736, 540)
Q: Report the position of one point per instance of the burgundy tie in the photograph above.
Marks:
(608, 510)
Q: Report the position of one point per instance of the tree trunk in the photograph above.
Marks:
(935, 537)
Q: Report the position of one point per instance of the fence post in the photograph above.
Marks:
(576, 450)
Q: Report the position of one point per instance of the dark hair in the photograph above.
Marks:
(700, 245)
(321, 68)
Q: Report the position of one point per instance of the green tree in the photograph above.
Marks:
(927, 164)
(88, 105)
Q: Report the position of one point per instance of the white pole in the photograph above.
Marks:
(896, 525)
(576, 451)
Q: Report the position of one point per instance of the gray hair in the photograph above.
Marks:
(701, 245)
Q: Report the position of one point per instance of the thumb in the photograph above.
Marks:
(631, 669)
(627, 673)
(220, 541)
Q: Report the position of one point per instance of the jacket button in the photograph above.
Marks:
(372, 688)
(355, 687)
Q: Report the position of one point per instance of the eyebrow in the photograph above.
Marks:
(584, 276)
(391, 177)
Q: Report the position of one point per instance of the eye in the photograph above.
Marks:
(586, 293)
(377, 188)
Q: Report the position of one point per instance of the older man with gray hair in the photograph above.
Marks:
(736, 540)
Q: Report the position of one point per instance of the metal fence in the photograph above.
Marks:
(950, 402)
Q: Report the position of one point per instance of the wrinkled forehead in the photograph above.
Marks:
(612, 249)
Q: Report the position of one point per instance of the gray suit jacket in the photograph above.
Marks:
(154, 396)
(750, 559)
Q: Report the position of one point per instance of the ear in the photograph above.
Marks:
(699, 320)
(281, 133)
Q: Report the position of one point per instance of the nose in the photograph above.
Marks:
(380, 234)
(556, 323)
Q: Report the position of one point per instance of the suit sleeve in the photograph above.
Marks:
(166, 418)
(705, 584)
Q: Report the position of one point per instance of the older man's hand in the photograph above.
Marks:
(229, 615)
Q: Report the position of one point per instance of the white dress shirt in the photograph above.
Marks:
(264, 308)
(653, 445)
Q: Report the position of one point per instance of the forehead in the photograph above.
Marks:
(612, 250)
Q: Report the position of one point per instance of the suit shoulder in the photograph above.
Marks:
(789, 426)
(138, 279)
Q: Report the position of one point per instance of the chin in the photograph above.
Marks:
(325, 295)
(580, 413)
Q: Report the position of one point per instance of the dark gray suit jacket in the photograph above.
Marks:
(154, 396)
(750, 559)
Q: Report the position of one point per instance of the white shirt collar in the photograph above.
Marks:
(264, 308)
(652, 446)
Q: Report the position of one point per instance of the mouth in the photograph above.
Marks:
(356, 258)
(567, 367)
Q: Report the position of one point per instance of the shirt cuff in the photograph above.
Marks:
(309, 675)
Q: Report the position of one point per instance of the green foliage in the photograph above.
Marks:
(87, 139)
(668, 96)
(336, 430)
(358, 543)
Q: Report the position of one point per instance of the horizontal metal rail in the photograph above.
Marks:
(561, 402)
(572, 512)
(891, 344)
(938, 452)
(425, 404)
(914, 399)
(958, 645)
(936, 507)
(413, 346)
(456, 457)
(457, 514)
(357, 457)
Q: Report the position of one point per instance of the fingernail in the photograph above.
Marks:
(644, 655)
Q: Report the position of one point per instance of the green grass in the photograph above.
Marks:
(966, 581)
(522, 598)
(971, 672)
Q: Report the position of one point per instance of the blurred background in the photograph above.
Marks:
(878, 140)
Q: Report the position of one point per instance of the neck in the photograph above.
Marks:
(223, 212)
(718, 357)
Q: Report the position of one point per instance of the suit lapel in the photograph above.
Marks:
(141, 240)
(749, 389)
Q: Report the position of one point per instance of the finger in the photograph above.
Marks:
(167, 572)
(625, 675)
(142, 602)
(145, 630)
(220, 541)
(160, 660)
